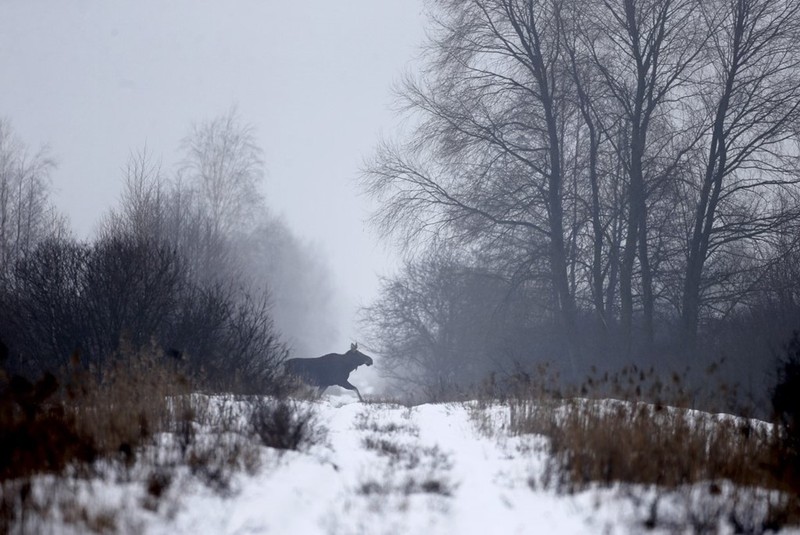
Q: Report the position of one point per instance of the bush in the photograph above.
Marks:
(284, 425)
(66, 295)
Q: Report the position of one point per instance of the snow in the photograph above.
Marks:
(385, 468)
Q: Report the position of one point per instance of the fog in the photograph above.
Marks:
(98, 81)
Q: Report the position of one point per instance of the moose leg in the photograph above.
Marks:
(348, 386)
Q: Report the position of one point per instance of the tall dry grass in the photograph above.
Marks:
(140, 419)
(633, 428)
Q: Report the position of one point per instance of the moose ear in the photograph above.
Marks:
(354, 346)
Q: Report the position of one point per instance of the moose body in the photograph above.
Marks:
(332, 369)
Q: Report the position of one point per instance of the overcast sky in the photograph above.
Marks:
(96, 80)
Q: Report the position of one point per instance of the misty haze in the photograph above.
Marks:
(486, 266)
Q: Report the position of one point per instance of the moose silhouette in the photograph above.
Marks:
(332, 369)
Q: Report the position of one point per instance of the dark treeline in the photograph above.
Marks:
(594, 183)
(190, 263)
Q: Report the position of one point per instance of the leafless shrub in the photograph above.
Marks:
(283, 424)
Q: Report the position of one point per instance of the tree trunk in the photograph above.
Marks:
(705, 213)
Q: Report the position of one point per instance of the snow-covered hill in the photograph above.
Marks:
(388, 469)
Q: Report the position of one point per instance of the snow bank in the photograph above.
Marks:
(386, 468)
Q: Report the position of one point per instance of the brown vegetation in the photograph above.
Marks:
(138, 420)
(631, 428)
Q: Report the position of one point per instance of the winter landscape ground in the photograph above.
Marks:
(375, 468)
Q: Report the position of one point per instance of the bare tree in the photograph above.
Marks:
(636, 161)
(752, 97)
(253, 254)
(645, 52)
(223, 164)
(26, 214)
(486, 162)
(597, 163)
(431, 324)
(142, 206)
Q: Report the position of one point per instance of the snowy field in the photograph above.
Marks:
(390, 469)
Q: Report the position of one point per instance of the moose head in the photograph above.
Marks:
(361, 357)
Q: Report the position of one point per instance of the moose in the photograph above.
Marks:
(332, 369)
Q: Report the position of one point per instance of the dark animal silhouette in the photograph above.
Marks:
(332, 369)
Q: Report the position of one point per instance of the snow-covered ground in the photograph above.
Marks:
(388, 469)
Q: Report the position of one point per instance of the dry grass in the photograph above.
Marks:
(136, 421)
(613, 441)
(52, 426)
(632, 428)
(138, 395)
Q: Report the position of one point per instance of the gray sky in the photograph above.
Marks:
(96, 80)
